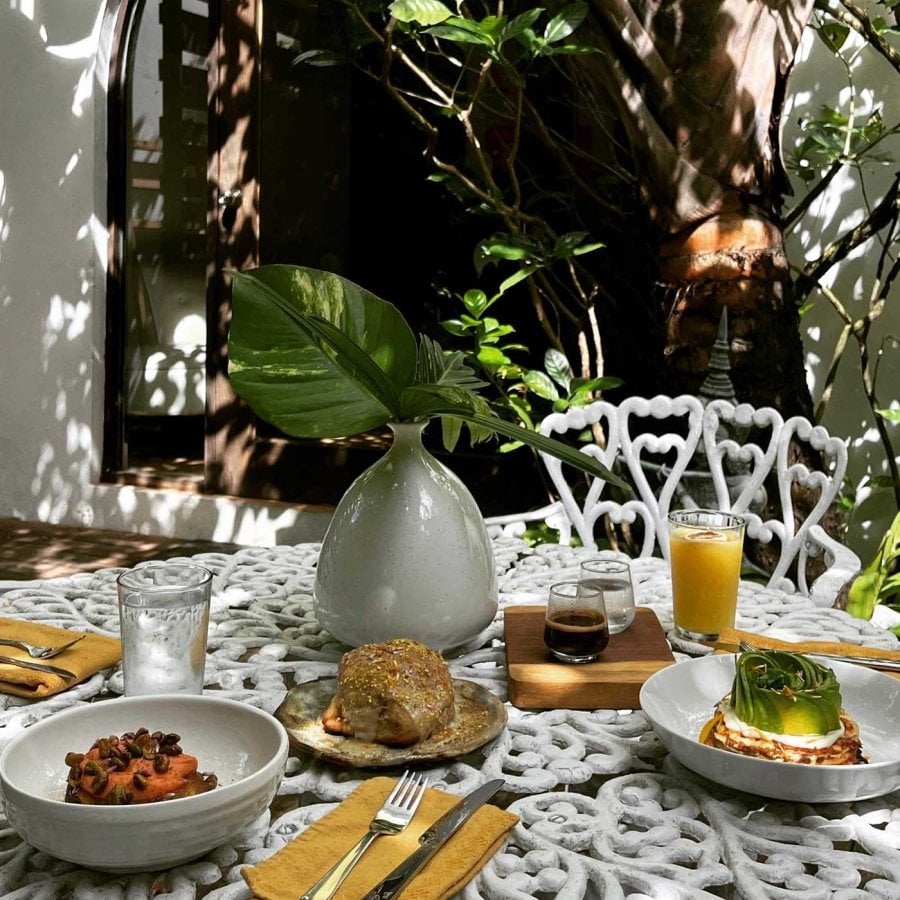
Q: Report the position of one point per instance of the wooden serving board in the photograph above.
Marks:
(539, 681)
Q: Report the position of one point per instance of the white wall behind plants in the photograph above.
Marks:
(820, 79)
(52, 313)
(53, 75)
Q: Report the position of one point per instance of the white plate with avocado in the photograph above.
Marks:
(680, 700)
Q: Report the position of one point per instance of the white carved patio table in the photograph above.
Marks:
(605, 812)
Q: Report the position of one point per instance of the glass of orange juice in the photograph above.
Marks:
(705, 549)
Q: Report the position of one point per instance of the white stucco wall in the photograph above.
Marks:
(52, 273)
(819, 79)
(52, 257)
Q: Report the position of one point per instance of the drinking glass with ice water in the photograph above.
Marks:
(164, 621)
(705, 551)
(612, 578)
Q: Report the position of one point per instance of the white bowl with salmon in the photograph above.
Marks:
(199, 770)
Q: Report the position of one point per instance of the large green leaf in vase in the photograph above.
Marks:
(315, 354)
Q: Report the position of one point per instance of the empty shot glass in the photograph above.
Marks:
(164, 621)
(613, 578)
(575, 627)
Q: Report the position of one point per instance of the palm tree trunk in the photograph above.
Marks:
(699, 86)
(734, 260)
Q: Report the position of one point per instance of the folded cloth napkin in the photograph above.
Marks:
(90, 655)
(730, 638)
(300, 864)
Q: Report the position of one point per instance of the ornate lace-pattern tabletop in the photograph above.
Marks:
(605, 812)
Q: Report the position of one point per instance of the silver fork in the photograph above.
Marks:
(395, 814)
(36, 651)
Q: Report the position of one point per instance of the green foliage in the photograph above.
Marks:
(889, 415)
(494, 34)
(879, 581)
(833, 136)
(473, 78)
(318, 356)
(521, 387)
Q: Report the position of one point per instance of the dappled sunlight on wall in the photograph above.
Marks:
(820, 80)
(53, 247)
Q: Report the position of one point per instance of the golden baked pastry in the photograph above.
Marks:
(138, 767)
(784, 707)
(397, 693)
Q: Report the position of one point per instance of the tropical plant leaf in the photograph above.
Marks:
(521, 23)
(475, 302)
(318, 356)
(515, 278)
(462, 31)
(315, 354)
(868, 588)
(450, 432)
(437, 367)
(419, 402)
(433, 400)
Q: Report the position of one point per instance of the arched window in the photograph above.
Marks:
(226, 151)
(205, 102)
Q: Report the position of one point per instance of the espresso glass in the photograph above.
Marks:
(575, 627)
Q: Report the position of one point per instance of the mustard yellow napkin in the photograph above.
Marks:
(90, 655)
(730, 638)
(300, 864)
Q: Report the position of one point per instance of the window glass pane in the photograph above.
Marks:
(165, 232)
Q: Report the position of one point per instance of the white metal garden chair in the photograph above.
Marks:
(677, 453)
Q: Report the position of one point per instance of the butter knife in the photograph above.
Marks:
(432, 840)
(870, 662)
(65, 674)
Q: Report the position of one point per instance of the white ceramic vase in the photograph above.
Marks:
(406, 554)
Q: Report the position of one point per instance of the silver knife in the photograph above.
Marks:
(870, 662)
(432, 840)
(65, 674)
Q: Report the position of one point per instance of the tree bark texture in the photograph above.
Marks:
(699, 85)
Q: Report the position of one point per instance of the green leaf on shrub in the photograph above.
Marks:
(455, 327)
(462, 31)
(476, 302)
(565, 22)
(492, 357)
(833, 34)
(422, 12)
(558, 368)
(541, 384)
(587, 248)
(518, 25)
(516, 277)
(891, 415)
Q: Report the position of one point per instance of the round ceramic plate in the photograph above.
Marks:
(680, 699)
(480, 716)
